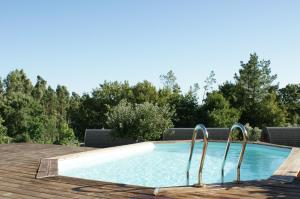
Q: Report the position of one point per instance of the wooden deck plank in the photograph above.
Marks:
(19, 164)
(7, 194)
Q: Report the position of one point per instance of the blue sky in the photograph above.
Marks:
(82, 43)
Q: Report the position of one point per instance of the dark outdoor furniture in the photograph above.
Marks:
(104, 138)
(289, 136)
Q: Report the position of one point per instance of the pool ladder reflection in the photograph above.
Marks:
(201, 127)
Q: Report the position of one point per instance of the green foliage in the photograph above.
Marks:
(39, 88)
(169, 81)
(229, 92)
(1, 88)
(254, 134)
(253, 94)
(223, 117)
(254, 80)
(217, 111)
(186, 111)
(25, 137)
(17, 81)
(144, 92)
(139, 121)
(290, 101)
(33, 113)
(209, 82)
(89, 111)
(271, 112)
(3, 136)
(65, 134)
(40, 114)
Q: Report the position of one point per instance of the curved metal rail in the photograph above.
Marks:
(205, 142)
(245, 138)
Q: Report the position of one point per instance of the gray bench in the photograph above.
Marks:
(103, 138)
(289, 136)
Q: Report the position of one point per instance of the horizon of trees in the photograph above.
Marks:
(38, 113)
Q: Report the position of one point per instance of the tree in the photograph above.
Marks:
(271, 113)
(3, 136)
(141, 122)
(75, 116)
(65, 134)
(290, 100)
(254, 80)
(186, 110)
(209, 82)
(1, 88)
(33, 113)
(39, 88)
(144, 92)
(17, 81)
(49, 102)
(17, 113)
(216, 111)
(229, 92)
(2, 106)
(63, 95)
(254, 85)
(89, 111)
(169, 81)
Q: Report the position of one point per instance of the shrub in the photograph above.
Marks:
(141, 122)
(254, 134)
(24, 137)
(3, 136)
(66, 135)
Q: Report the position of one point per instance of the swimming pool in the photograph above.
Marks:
(164, 164)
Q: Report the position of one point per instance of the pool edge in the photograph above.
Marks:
(286, 172)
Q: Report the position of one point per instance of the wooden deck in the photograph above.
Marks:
(19, 164)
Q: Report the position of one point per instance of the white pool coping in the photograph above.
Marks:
(100, 156)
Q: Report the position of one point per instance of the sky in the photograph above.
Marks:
(82, 43)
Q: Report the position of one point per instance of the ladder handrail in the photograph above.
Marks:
(205, 142)
(245, 138)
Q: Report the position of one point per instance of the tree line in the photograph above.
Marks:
(38, 113)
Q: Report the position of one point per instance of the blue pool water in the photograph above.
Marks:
(166, 165)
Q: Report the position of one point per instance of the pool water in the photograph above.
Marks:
(166, 164)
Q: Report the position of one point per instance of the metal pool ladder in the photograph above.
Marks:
(205, 142)
(245, 138)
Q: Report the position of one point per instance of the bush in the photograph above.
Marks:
(24, 137)
(3, 136)
(66, 135)
(4, 139)
(254, 134)
(141, 122)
